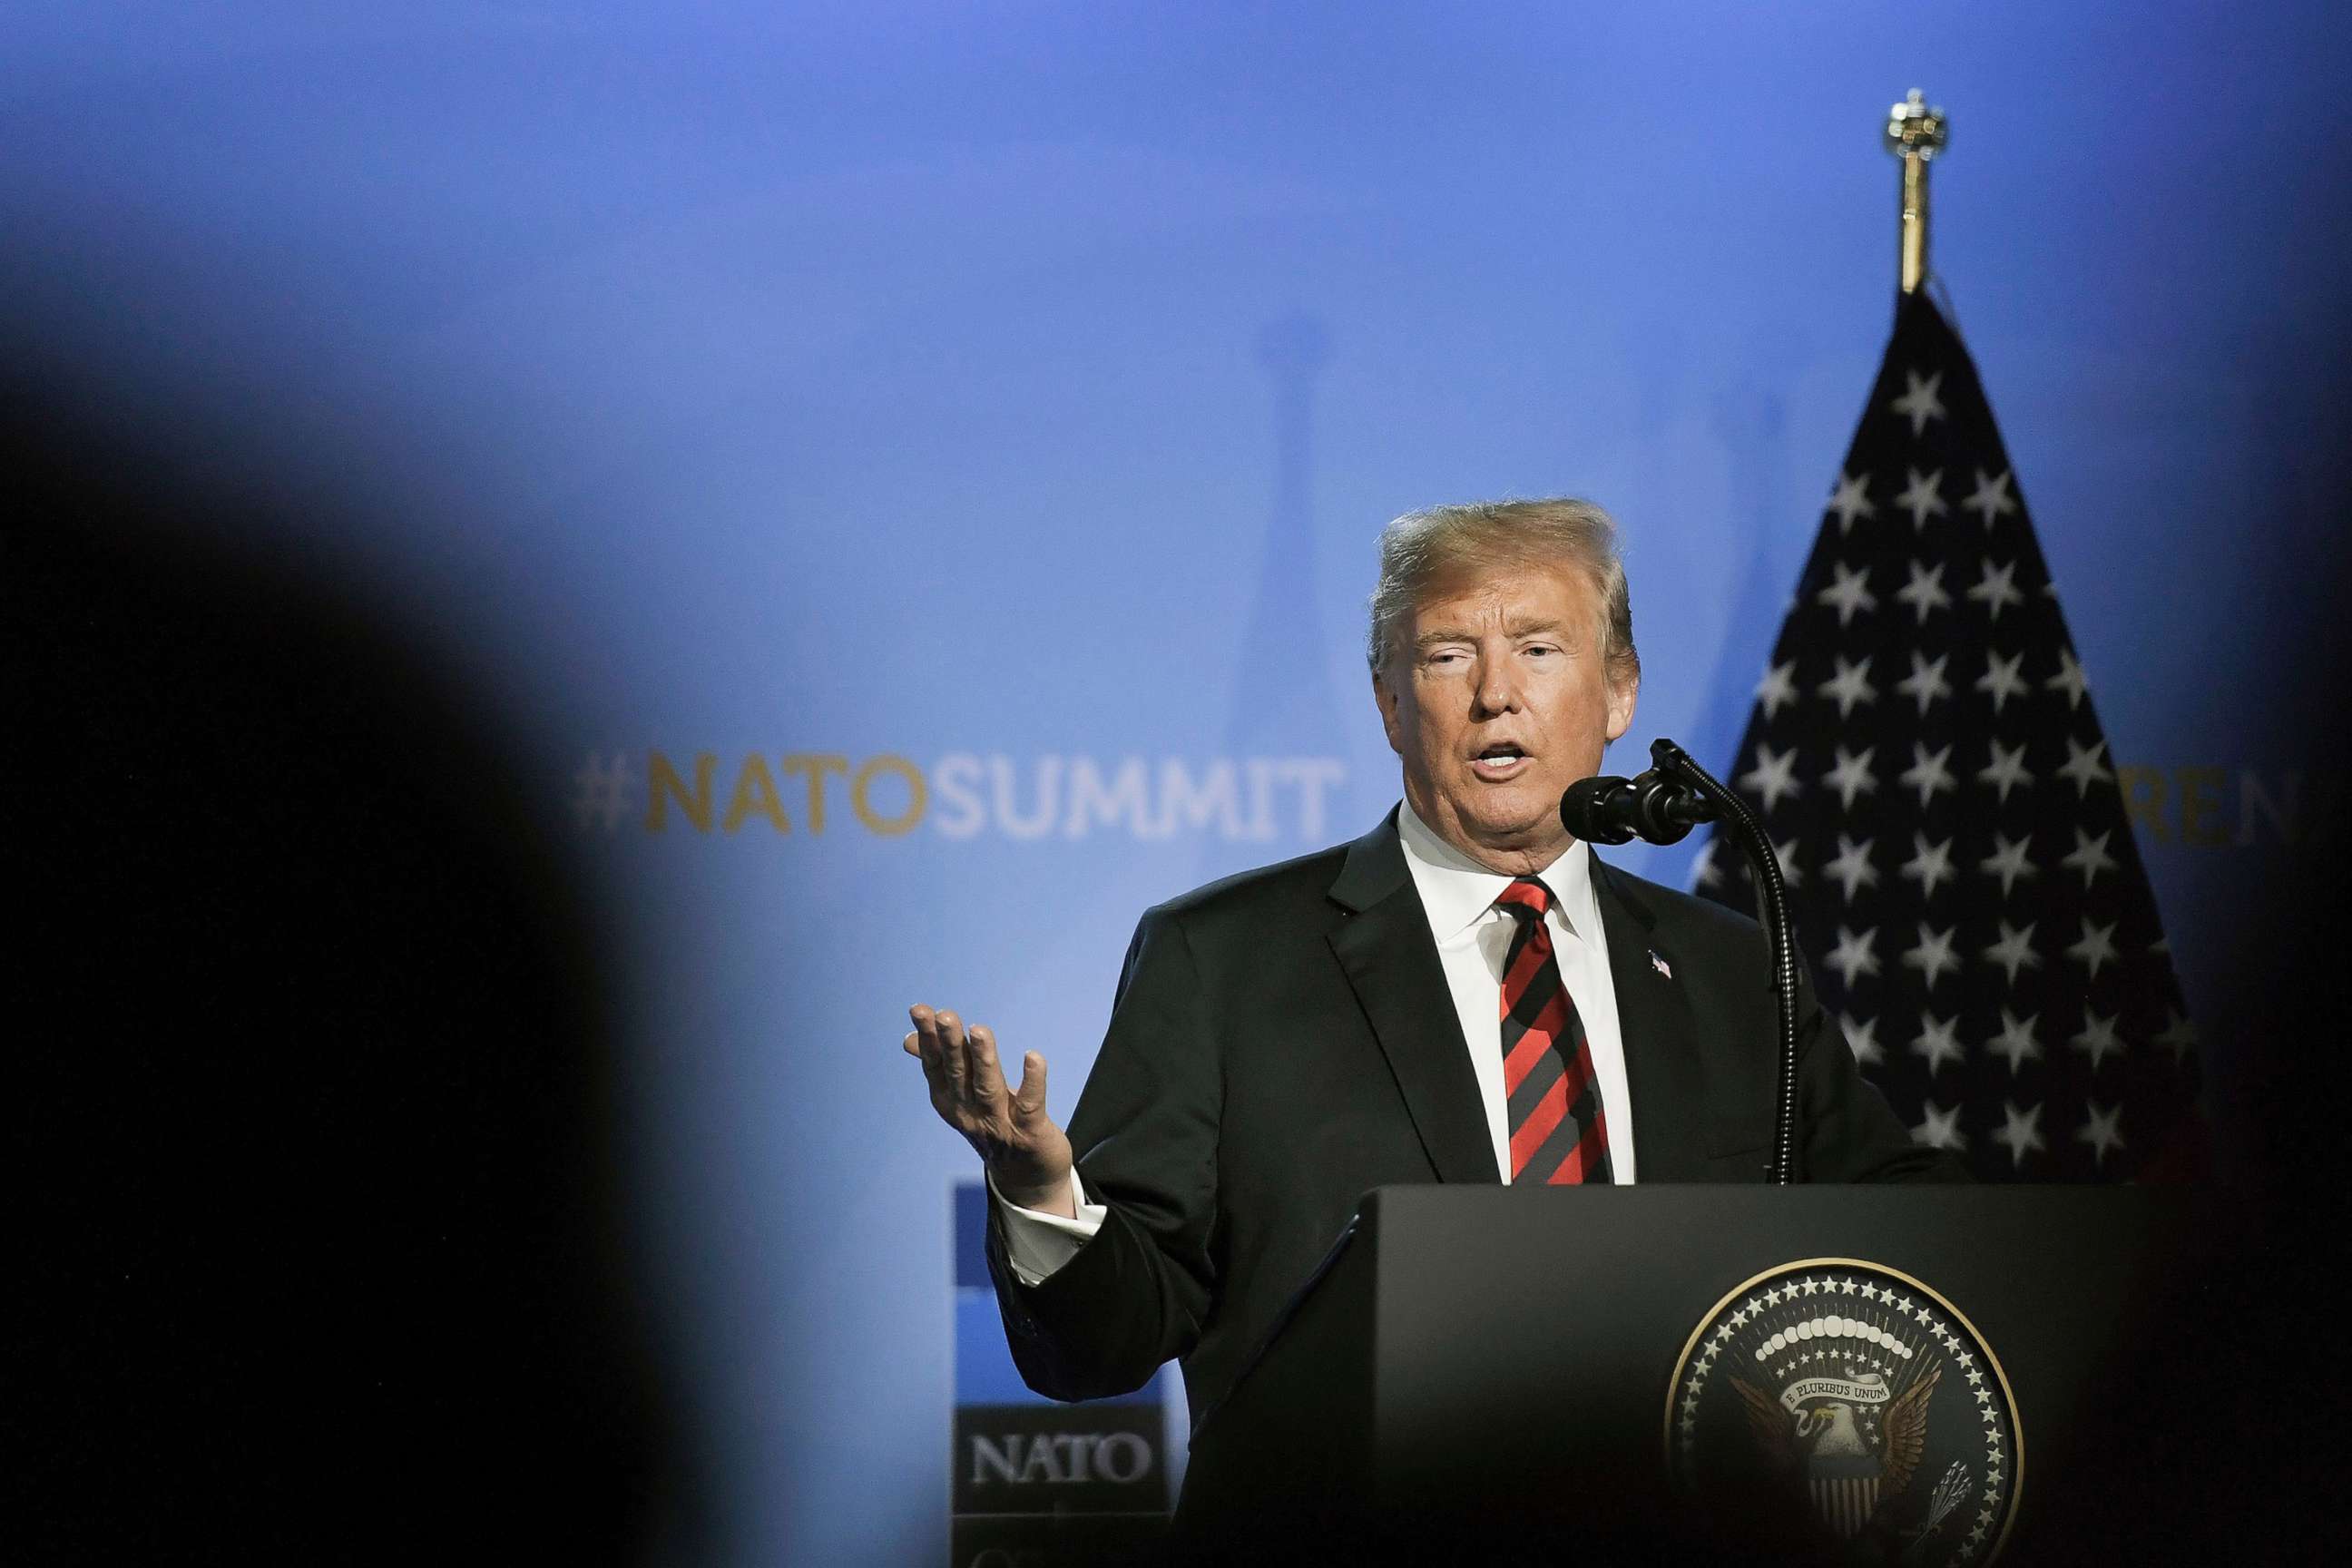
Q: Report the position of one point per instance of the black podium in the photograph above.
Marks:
(1907, 1375)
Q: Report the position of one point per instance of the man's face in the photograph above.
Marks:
(1495, 696)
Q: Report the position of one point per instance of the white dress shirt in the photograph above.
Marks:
(1472, 936)
(1473, 939)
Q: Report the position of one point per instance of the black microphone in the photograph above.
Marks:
(1662, 805)
(1611, 810)
(1594, 809)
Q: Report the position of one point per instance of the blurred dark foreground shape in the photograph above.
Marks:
(310, 1080)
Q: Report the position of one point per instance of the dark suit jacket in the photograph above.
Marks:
(1283, 1040)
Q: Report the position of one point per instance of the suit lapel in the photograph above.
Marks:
(1385, 947)
(1664, 1078)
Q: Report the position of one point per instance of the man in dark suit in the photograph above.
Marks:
(1463, 994)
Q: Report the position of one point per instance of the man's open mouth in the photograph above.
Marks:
(1501, 761)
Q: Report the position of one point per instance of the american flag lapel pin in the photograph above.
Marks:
(1660, 966)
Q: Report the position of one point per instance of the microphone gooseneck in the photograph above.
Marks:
(1661, 805)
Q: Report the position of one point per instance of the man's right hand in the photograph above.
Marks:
(1027, 1156)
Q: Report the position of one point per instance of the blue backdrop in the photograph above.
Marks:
(907, 475)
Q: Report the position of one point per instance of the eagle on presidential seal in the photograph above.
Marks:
(1857, 1438)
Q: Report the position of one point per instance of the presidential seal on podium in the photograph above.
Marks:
(1840, 1410)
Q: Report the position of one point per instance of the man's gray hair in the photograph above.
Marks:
(1423, 552)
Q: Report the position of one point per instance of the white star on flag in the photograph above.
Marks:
(1861, 1038)
(1996, 589)
(1930, 864)
(1778, 687)
(2014, 951)
(1851, 776)
(1773, 777)
(1990, 498)
(1851, 869)
(2002, 679)
(2082, 765)
(1925, 592)
(1850, 592)
(1850, 686)
(1938, 1128)
(1918, 403)
(2098, 1040)
(2008, 860)
(2099, 1130)
(1853, 957)
(2006, 771)
(1933, 956)
(1919, 497)
(2096, 947)
(1939, 1038)
(1850, 500)
(2020, 1131)
(1927, 682)
(2090, 856)
(2015, 1041)
(2069, 679)
(1926, 774)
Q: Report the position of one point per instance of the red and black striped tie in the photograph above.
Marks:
(1558, 1132)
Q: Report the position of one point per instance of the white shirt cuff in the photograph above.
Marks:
(1037, 1243)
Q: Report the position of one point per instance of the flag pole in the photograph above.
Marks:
(1915, 134)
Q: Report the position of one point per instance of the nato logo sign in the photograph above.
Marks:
(1033, 1483)
(1842, 1409)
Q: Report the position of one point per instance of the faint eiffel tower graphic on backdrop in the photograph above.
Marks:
(1284, 705)
(1752, 423)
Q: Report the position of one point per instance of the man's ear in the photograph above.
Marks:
(1621, 705)
(1386, 696)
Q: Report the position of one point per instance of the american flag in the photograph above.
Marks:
(1925, 755)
